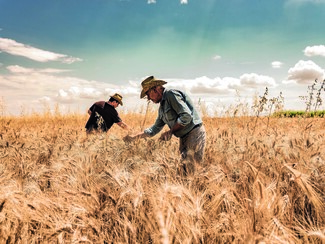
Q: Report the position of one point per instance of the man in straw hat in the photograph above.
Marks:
(177, 111)
(103, 115)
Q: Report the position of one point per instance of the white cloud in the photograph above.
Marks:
(216, 57)
(151, 1)
(276, 64)
(315, 51)
(253, 80)
(44, 99)
(32, 88)
(63, 94)
(133, 83)
(18, 49)
(233, 83)
(305, 72)
(75, 93)
(221, 86)
(87, 92)
(19, 69)
(209, 86)
(199, 85)
(184, 1)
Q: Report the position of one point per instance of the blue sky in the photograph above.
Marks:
(72, 53)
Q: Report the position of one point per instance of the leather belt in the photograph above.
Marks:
(196, 126)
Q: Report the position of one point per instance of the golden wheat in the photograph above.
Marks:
(60, 185)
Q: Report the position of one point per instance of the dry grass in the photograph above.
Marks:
(59, 186)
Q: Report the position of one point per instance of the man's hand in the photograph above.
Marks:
(128, 138)
(166, 136)
(140, 135)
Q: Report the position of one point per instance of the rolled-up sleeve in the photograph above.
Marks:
(156, 128)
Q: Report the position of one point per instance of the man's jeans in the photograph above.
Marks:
(192, 147)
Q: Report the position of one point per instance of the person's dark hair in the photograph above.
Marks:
(112, 100)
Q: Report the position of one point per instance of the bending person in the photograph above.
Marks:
(177, 111)
(103, 115)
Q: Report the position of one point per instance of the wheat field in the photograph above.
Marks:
(262, 181)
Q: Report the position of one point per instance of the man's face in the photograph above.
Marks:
(154, 95)
(115, 104)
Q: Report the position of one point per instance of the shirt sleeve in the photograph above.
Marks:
(117, 119)
(92, 107)
(156, 128)
(178, 104)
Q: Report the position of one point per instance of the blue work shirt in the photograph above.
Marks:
(175, 107)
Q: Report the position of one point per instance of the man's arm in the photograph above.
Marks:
(140, 135)
(166, 136)
(90, 110)
(123, 125)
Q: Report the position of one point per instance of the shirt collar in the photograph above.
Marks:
(164, 96)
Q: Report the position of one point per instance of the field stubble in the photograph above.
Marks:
(260, 182)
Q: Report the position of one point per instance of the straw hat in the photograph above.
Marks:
(118, 98)
(149, 83)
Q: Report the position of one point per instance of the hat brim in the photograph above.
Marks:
(153, 84)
